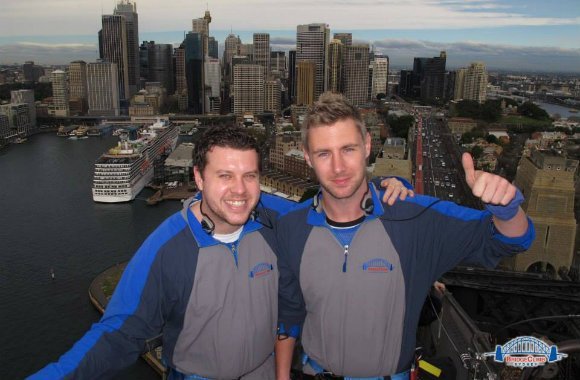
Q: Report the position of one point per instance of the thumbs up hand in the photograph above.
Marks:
(490, 188)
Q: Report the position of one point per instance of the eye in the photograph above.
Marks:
(251, 176)
(225, 176)
(322, 154)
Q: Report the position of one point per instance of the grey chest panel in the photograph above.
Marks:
(230, 321)
(354, 321)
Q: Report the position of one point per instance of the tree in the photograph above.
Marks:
(531, 110)
(491, 139)
(476, 152)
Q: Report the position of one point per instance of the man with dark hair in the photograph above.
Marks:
(354, 273)
(207, 279)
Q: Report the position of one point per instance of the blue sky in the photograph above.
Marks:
(515, 34)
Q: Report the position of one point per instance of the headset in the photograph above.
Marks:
(368, 206)
(208, 225)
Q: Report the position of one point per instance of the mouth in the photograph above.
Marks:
(340, 181)
(236, 203)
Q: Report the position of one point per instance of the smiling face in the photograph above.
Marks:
(338, 154)
(230, 186)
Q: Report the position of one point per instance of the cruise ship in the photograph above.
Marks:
(124, 170)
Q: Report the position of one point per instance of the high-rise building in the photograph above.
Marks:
(305, 82)
(311, 45)
(115, 50)
(201, 26)
(355, 73)
(18, 119)
(157, 64)
(345, 38)
(128, 10)
(434, 79)
(262, 51)
(278, 64)
(292, 75)
(475, 82)
(60, 96)
(212, 82)
(194, 72)
(32, 72)
(273, 93)
(459, 86)
(380, 76)
(213, 48)
(547, 183)
(102, 87)
(335, 53)
(25, 97)
(231, 48)
(77, 83)
(248, 89)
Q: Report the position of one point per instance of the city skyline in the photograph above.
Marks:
(511, 35)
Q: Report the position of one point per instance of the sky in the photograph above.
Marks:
(530, 35)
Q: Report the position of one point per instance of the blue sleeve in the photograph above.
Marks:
(281, 205)
(463, 235)
(291, 306)
(132, 316)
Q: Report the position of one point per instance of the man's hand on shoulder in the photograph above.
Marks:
(395, 189)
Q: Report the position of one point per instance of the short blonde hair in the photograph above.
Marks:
(327, 110)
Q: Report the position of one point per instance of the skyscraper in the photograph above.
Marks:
(157, 64)
(262, 51)
(355, 73)
(345, 38)
(475, 87)
(232, 47)
(278, 64)
(335, 53)
(380, 67)
(212, 82)
(434, 79)
(305, 82)
(292, 75)
(102, 87)
(248, 89)
(60, 96)
(311, 45)
(77, 82)
(213, 48)
(194, 72)
(128, 10)
(115, 50)
(459, 86)
(273, 96)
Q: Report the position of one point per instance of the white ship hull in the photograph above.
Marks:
(121, 196)
(125, 170)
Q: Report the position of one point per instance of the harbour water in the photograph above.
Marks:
(50, 224)
(552, 109)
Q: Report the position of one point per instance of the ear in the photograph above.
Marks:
(307, 156)
(198, 178)
(367, 145)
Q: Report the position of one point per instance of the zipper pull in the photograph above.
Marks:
(234, 253)
(345, 258)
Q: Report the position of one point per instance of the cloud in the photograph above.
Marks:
(44, 53)
(498, 56)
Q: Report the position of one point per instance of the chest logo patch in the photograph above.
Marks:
(377, 265)
(261, 269)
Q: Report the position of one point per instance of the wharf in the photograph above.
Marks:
(100, 293)
(178, 193)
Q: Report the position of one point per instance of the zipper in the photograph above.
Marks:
(234, 250)
(345, 258)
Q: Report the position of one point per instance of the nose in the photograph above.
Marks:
(337, 163)
(238, 186)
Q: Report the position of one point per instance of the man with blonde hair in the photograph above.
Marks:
(354, 273)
